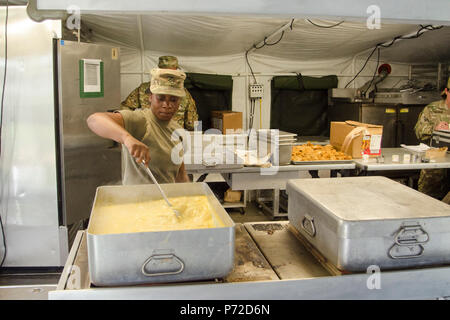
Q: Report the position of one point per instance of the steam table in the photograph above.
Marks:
(270, 263)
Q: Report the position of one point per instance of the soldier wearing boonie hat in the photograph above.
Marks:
(139, 98)
(435, 116)
(167, 81)
(146, 134)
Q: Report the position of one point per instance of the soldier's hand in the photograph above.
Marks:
(137, 149)
(442, 126)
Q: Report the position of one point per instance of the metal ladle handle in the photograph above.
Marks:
(155, 182)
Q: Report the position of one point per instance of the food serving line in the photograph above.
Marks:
(403, 234)
(251, 178)
(303, 258)
(255, 178)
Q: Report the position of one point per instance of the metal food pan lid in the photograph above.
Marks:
(368, 198)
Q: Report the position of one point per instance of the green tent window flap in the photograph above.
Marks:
(208, 81)
(300, 104)
(210, 92)
(300, 82)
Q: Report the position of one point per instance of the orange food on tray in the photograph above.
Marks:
(312, 152)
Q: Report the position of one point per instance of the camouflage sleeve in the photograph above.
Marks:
(144, 95)
(425, 125)
(132, 101)
(191, 114)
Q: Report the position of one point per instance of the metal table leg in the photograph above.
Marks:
(314, 173)
(202, 177)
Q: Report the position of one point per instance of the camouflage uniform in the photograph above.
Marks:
(140, 98)
(431, 115)
(433, 182)
(155, 133)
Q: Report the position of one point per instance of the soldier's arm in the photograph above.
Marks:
(112, 126)
(425, 125)
(182, 175)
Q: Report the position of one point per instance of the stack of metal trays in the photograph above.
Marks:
(213, 151)
(278, 140)
(273, 135)
(162, 256)
(359, 222)
(318, 140)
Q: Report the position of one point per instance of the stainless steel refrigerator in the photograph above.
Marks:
(50, 162)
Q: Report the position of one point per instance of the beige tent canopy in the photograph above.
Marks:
(267, 38)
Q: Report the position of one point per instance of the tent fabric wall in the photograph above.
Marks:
(217, 45)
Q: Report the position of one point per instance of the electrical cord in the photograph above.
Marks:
(417, 35)
(263, 45)
(1, 119)
(375, 72)
(251, 70)
(269, 44)
(367, 60)
(317, 25)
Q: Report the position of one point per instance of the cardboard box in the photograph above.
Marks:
(356, 138)
(436, 153)
(227, 120)
(232, 196)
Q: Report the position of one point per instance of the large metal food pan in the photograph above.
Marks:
(358, 222)
(163, 256)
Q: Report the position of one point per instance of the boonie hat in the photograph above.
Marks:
(168, 62)
(167, 81)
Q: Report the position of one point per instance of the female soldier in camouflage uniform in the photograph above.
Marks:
(435, 116)
(139, 98)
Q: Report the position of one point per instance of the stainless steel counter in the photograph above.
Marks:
(287, 168)
(255, 178)
(373, 165)
(282, 269)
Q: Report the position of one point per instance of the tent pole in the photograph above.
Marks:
(141, 38)
(247, 72)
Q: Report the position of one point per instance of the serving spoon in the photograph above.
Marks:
(149, 172)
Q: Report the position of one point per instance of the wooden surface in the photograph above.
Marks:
(314, 252)
(264, 251)
(249, 263)
(285, 253)
(79, 275)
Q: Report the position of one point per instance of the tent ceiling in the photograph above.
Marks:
(416, 11)
(202, 36)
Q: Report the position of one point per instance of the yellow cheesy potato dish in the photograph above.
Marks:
(152, 215)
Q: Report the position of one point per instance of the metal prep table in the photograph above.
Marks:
(248, 178)
(254, 178)
(372, 167)
(271, 263)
